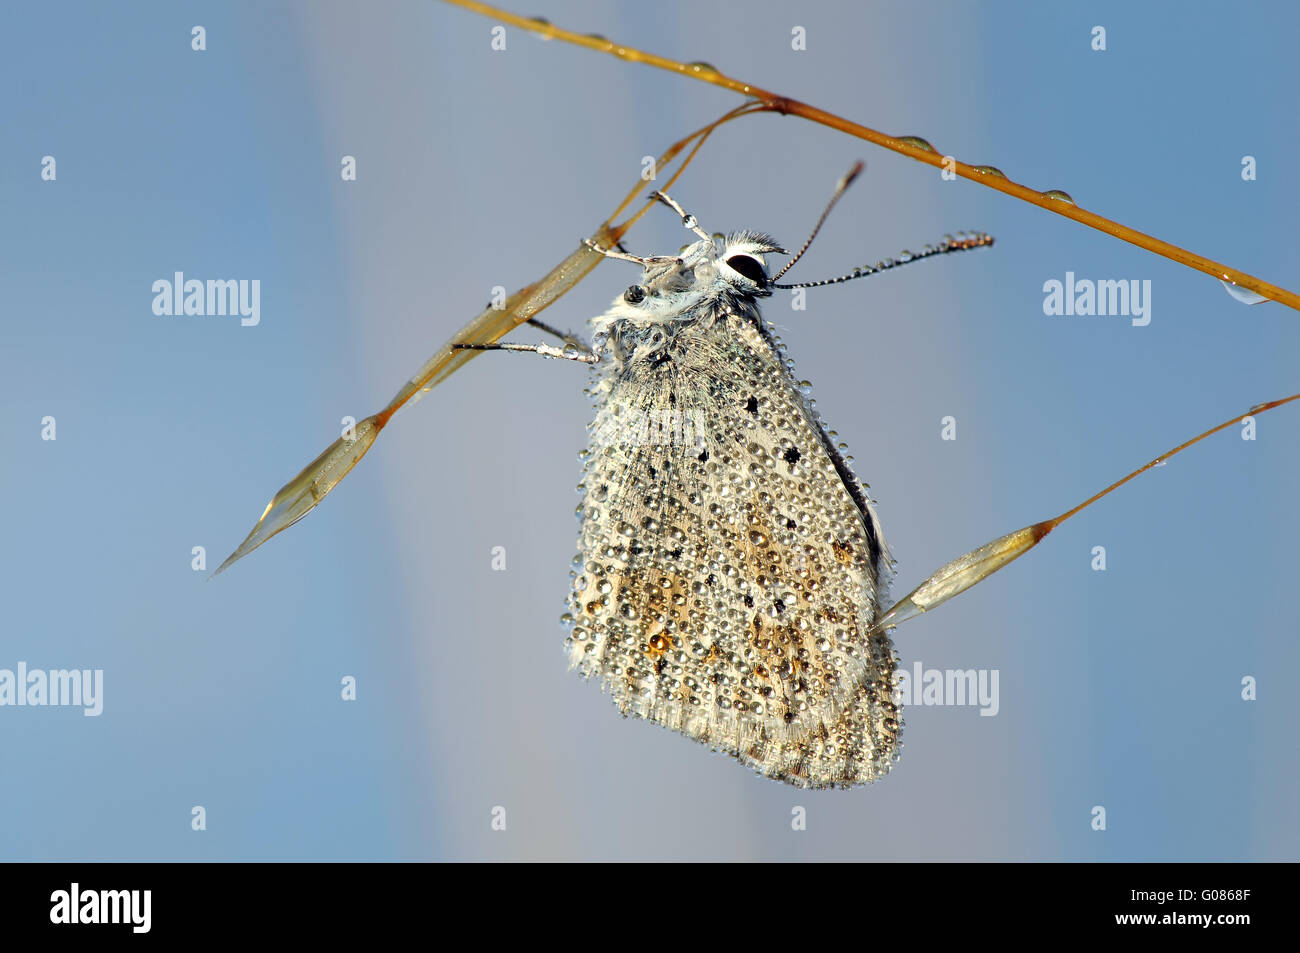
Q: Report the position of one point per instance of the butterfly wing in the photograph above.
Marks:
(730, 565)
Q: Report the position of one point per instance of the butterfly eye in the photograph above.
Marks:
(749, 267)
(634, 295)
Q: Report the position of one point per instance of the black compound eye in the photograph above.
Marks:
(634, 294)
(749, 267)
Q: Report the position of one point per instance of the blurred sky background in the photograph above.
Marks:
(479, 168)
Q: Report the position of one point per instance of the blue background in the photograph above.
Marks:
(479, 168)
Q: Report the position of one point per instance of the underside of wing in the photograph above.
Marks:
(729, 572)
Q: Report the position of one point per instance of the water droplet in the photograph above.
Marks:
(989, 170)
(916, 142)
(541, 22)
(1059, 195)
(1244, 295)
(703, 68)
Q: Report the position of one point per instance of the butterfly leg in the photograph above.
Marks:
(688, 220)
(545, 350)
(624, 256)
(572, 340)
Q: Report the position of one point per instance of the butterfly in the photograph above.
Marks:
(730, 566)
